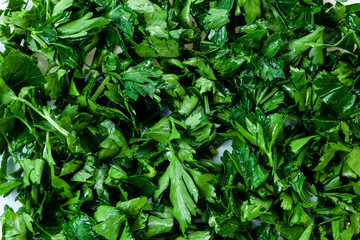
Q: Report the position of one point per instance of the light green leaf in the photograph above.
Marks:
(110, 222)
(155, 47)
(353, 160)
(253, 10)
(276, 125)
(8, 185)
(142, 6)
(307, 233)
(14, 227)
(205, 183)
(297, 144)
(32, 170)
(254, 208)
(198, 235)
(188, 105)
(216, 18)
(62, 6)
(160, 132)
(156, 23)
(162, 223)
(133, 206)
(286, 201)
(183, 192)
(205, 85)
(84, 24)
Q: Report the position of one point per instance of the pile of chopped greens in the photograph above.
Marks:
(115, 137)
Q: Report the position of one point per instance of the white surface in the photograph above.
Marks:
(10, 200)
(225, 146)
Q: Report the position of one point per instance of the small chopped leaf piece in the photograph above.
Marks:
(253, 10)
(13, 224)
(298, 184)
(133, 206)
(201, 235)
(247, 165)
(216, 18)
(62, 6)
(299, 216)
(32, 171)
(156, 23)
(141, 80)
(333, 93)
(297, 47)
(287, 202)
(297, 144)
(115, 143)
(269, 70)
(81, 26)
(155, 47)
(158, 226)
(142, 6)
(307, 233)
(271, 46)
(205, 182)
(188, 105)
(329, 154)
(112, 224)
(80, 227)
(8, 185)
(160, 132)
(254, 208)
(353, 160)
(162, 223)
(19, 69)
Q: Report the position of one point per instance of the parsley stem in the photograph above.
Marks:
(152, 171)
(207, 104)
(41, 42)
(271, 161)
(100, 89)
(269, 95)
(55, 124)
(46, 115)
